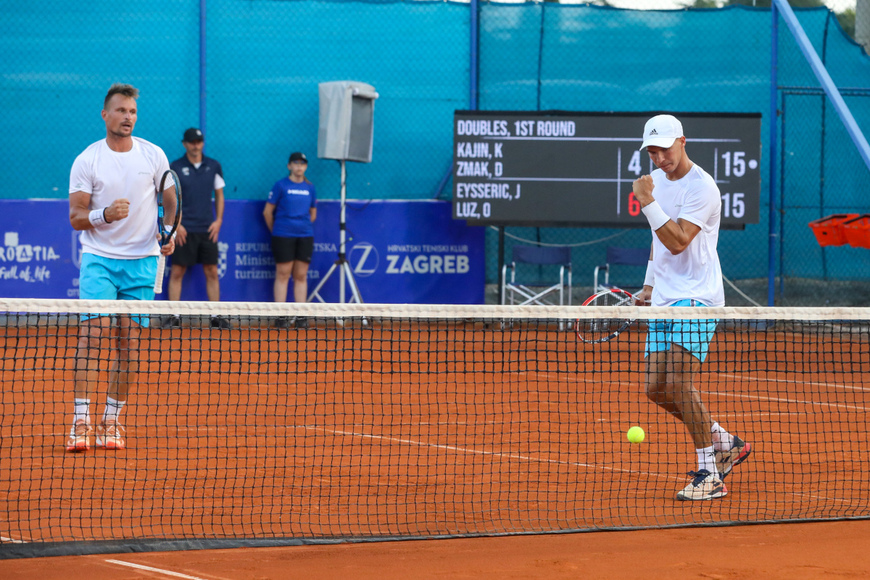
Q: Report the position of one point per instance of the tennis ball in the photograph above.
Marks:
(636, 434)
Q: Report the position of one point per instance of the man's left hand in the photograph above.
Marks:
(213, 230)
(167, 248)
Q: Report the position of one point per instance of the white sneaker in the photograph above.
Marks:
(110, 435)
(79, 437)
(704, 486)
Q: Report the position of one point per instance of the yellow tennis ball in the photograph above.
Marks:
(636, 434)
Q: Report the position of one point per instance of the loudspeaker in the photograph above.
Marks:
(346, 127)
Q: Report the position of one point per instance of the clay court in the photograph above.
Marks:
(788, 552)
(406, 429)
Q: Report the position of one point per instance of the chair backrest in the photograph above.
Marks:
(542, 254)
(627, 256)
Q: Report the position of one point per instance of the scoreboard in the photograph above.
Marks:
(577, 169)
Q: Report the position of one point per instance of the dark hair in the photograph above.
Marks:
(120, 89)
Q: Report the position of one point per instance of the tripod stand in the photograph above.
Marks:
(341, 264)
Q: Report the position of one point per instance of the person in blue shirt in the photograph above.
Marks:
(290, 213)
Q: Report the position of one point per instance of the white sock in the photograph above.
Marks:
(707, 460)
(722, 439)
(113, 409)
(81, 410)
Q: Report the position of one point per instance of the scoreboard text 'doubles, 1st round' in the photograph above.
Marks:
(577, 169)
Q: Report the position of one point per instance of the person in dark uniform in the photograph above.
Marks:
(196, 242)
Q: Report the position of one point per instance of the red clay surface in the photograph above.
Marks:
(411, 431)
(783, 551)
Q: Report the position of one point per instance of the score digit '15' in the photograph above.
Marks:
(733, 205)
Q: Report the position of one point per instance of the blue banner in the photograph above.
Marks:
(41, 254)
(397, 252)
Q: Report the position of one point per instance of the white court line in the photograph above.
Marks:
(762, 414)
(528, 458)
(583, 379)
(783, 400)
(5, 540)
(815, 384)
(497, 454)
(157, 570)
(757, 398)
(491, 453)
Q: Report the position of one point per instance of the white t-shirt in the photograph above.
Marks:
(108, 175)
(695, 273)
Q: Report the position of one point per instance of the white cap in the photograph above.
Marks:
(661, 131)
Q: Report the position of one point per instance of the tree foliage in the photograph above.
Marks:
(756, 3)
(847, 21)
(845, 18)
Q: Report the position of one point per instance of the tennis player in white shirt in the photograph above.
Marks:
(682, 204)
(113, 202)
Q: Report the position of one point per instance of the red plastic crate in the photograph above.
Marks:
(857, 231)
(829, 231)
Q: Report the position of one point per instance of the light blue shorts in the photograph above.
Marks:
(113, 279)
(693, 335)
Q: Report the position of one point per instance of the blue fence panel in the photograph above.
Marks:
(265, 59)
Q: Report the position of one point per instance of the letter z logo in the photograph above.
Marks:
(364, 259)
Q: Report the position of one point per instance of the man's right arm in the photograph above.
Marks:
(82, 217)
(674, 235)
(79, 208)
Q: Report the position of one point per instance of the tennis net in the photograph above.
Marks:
(407, 421)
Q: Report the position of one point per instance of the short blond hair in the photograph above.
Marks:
(120, 89)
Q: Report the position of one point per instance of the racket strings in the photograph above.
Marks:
(604, 329)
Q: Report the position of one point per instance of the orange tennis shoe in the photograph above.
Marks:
(727, 460)
(79, 437)
(110, 435)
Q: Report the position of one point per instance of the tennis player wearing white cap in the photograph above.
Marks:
(682, 204)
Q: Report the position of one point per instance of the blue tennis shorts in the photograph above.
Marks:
(113, 279)
(693, 335)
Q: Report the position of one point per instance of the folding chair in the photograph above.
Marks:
(619, 257)
(524, 282)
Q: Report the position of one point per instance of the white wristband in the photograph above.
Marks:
(655, 215)
(97, 217)
(650, 278)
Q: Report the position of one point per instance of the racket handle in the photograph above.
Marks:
(158, 281)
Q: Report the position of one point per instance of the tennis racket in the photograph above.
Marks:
(167, 205)
(596, 330)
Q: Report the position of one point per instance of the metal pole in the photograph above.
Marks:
(341, 233)
(824, 78)
(202, 66)
(771, 146)
(783, 187)
(543, 6)
(341, 264)
(474, 54)
(473, 69)
(501, 280)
